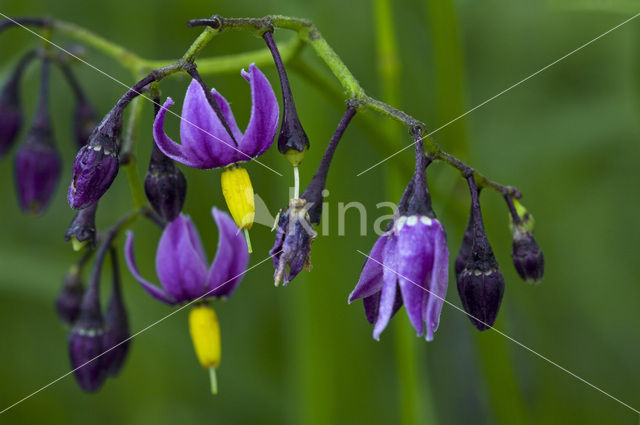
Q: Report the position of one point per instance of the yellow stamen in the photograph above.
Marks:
(205, 334)
(238, 193)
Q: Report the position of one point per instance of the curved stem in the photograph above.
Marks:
(306, 33)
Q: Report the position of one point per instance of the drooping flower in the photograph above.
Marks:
(409, 264)
(82, 230)
(37, 162)
(526, 254)
(292, 247)
(182, 265)
(480, 282)
(292, 140)
(185, 276)
(165, 185)
(70, 297)
(205, 142)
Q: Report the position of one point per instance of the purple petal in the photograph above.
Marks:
(168, 146)
(152, 289)
(202, 134)
(265, 112)
(179, 263)
(371, 304)
(415, 262)
(370, 280)
(227, 114)
(439, 280)
(388, 294)
(231, 259)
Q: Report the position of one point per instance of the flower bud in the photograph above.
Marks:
(527, 256)
(86, 345)
(292, 140)
(205, 334)
(480, 282)
(37, 171)
(95, 168)
(116, 339)
(294, 236)
(165, 185)
(82, 230)
(37, 163)
(10, 111)
(70, 298)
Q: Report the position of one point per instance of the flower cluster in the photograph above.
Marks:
(407, 266)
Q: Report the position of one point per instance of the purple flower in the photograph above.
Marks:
(410, 265)
(94, 169)
(292, 247)
(182, 266)
(37, 170)
(205, 142)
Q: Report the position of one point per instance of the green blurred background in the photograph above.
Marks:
(568, 138)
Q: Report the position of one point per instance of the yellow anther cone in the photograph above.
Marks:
(238, 193)
(205, 334)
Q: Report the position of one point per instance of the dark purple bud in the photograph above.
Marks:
(117, 325)
(70, 298)
(96, 165)
(82, 229)
(527, 256)
(292, 140)
(313, 193)
(165, 185)
(37, 162)
(480, 282)
(294, 236)
(10, 111)
(86, 344)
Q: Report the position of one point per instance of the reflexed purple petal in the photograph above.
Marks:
(202, 134)
(388, 294)
(179, 263)
(415, 262)
(232, 257)
(439, 280)
(168, 146)
(152, 289)
(370, 280)
(265, 112)
(227, 114)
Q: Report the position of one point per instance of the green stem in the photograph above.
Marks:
(306, 33)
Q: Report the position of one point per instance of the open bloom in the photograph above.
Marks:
(407, 265)
(182, 266)
(207, 144)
